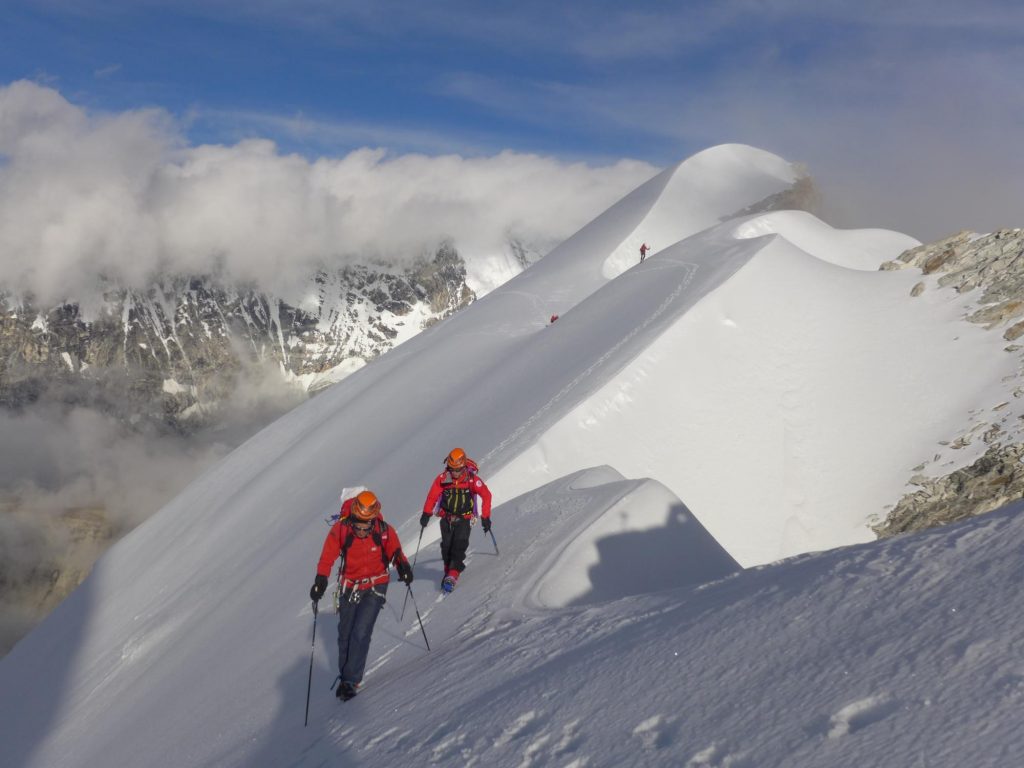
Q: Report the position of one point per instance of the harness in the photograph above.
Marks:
(352, 590)
(455, 501)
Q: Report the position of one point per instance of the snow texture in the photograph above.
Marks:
(753, 390)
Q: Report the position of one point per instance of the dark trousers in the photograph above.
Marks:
(355, 626)
(454, 542)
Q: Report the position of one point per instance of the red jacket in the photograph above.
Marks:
(445, 481)
(364, 559)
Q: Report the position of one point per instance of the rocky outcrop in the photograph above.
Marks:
(993, 481)
(991, 265)
(803, 195)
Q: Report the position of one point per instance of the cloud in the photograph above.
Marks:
(122, 195)
(107, 71)
(71, 483)
(908, 115)
(73, 480)
(71, 458)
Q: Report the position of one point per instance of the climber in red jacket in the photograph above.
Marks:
(453, 497)
(367, 546)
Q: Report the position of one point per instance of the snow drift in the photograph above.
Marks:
(768, 385)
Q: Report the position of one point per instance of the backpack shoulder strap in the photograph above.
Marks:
(380, 536)
(379, 533)
(347, 535)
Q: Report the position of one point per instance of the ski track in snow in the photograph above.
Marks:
(541, 413)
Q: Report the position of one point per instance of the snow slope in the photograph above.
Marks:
(787, 407)
(722, 404)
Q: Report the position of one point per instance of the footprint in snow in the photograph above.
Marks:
(653, 734)
(717, 757)
(860, 714)
(523, 725)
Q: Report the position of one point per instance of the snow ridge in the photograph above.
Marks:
(672, 425)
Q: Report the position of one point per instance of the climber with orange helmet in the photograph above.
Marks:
(452, 497)
(368, 546)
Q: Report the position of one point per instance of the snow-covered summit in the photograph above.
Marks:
(698, 193)
(749, 391)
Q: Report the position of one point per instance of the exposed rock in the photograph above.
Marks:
(994, 480)
(994, 265)
(803, 195)
(1014, 332)
(173, 354)
(993, 262)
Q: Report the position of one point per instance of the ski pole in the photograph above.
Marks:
(420, 539)
(416, 608)
(404, 602)
(309, 683)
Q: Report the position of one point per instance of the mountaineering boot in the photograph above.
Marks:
(346, 691)
(449, 581)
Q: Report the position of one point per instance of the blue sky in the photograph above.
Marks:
(868, 95)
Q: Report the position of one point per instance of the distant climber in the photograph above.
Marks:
(453, 497)
(553, 318)
(643, 251)
(367, 546)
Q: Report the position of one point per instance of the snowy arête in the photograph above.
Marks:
(755, 389)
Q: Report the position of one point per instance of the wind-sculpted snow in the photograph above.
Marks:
(897, 653)
(548, 540)
(647, 540)
(738, 381)
(698, 194)
(781, 396)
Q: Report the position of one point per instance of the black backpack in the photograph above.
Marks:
(459, 501)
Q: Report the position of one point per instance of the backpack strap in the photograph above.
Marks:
(379, 533)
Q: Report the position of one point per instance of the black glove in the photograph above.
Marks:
(424, 519)
(404, 571)
(318, 588)
(486, 523)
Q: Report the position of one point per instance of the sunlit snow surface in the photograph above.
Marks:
(754, 389)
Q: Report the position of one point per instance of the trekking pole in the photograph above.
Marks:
(416, 608)
(309, 684)
(404, 602)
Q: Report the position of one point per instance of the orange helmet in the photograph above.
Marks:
(456, 459)
(365, 506)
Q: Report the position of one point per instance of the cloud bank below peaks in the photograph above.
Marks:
(125, 197)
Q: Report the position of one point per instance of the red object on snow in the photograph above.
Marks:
(553, 318)
(446, 482)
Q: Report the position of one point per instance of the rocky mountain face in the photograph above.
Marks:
(993, 265)
(172, 354)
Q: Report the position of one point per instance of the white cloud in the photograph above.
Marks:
(107, 71)
(122, 195)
